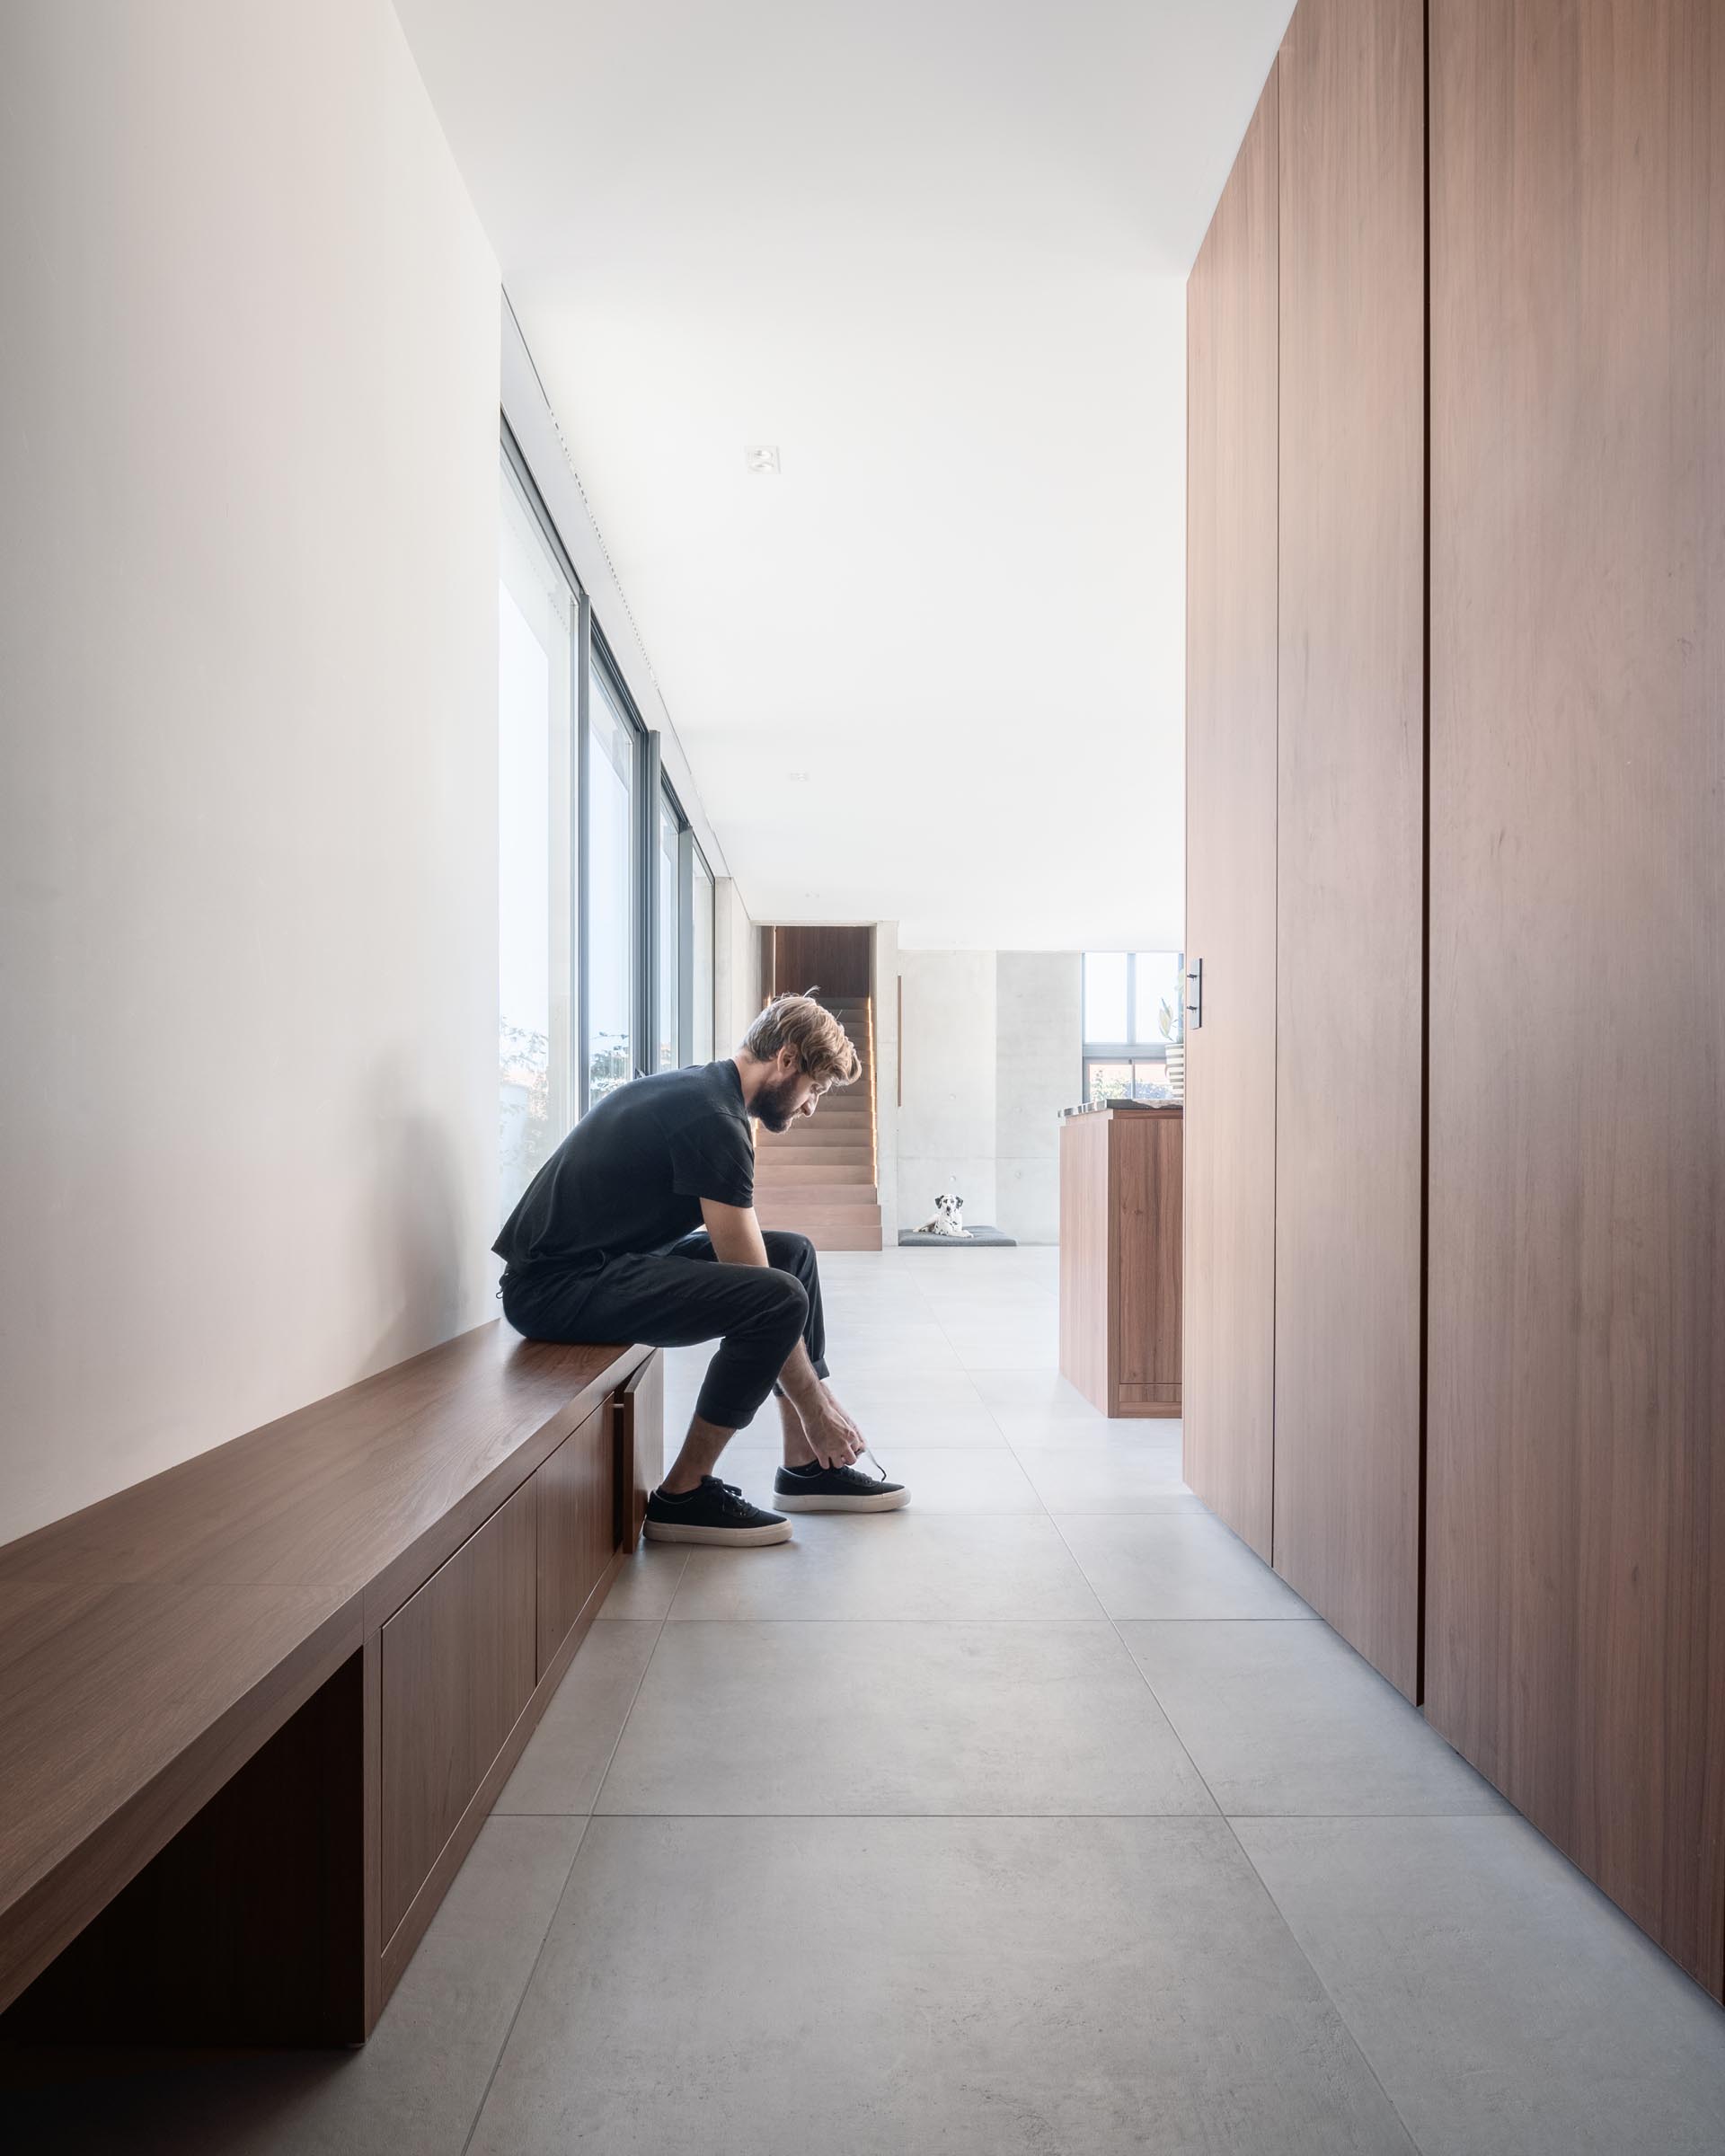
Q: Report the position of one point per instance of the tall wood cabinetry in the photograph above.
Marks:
(1492, 1452)
(1230, 1165)
(1576, 1526)
(1350, 793)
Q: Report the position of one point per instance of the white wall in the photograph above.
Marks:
(1038, 1070)
(992, 1045)
(736, 967)
(248, 844)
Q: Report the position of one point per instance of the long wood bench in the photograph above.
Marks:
(254, 1710)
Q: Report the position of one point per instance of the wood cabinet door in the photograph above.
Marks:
(1147, 1317)
(1576, 1443)
(1350, 993)
(457, 1667)
(576, 1526)
(1230, 1118)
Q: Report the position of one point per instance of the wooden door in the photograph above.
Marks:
(1349, 823)
(457, 1667)
(835, 960)
(1230, 1119)
(1576, 1625)
(1146, 1318)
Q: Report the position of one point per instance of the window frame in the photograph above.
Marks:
(592, 653)
(514, 474)
(1130, 1051)
(643, 754)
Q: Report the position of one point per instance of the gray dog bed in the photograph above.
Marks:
(979, 1238)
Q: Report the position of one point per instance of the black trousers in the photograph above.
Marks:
(757, 1316)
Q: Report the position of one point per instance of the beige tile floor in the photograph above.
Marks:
(1038, 1820)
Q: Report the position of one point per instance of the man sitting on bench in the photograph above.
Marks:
(609, 1243)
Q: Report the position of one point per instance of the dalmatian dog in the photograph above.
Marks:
(948, 1218)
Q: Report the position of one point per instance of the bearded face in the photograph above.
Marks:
(779, 1100)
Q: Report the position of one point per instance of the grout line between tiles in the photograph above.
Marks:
(580, 1843)
(1228, 1819)
(485, 2093)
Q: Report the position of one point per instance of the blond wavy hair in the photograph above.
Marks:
(823, 1047)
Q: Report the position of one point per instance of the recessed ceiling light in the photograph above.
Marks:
(801, 777)
(761, 457)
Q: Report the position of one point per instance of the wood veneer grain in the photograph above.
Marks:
(1575, 1628)
(1349, 822)
(1086, 1296)
(458, 1667)
(1230, 1120)
(576, 1526)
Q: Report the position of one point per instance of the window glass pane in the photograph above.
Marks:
(1160, 978)
(669, 911)
(1105, 995)
(1150, 1081)
(1108, 1081)
(536, 1061)
(610, 893)
(702, 925)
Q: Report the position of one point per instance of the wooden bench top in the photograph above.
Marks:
(149, 1643)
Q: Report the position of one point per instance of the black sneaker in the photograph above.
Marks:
(817, 1488)
(712, 1512)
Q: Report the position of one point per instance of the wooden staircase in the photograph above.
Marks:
(819, 1177)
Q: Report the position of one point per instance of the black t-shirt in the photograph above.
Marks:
(631, 1176)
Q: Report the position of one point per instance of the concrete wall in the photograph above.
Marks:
(1038, 1070)
(992, 1050)
(248, 807)
(946, 1126)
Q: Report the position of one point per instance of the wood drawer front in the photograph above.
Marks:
(576, 1526)
(457, 1667)
(1148, 1197)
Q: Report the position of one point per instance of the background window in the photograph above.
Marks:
(670, 910)
(1106, 996)
(535, 646)
(1134, 1012)
(700, 1043)
(610, 889)
(1158, 997)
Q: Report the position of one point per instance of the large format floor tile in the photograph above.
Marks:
(1507, 2008)
(898, 1718)
(1287, 1718)
(981, 1987)
(567, 1755)
(1174, 1564)
(1107, 1474)
(892, 1564)
(414, 2090)
(647, 1581)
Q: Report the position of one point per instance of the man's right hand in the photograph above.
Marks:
(836, 1439)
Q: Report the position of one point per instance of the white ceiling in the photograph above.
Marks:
(936, 254)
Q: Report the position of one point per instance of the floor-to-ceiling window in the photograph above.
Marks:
(1134, 1013)
(605, 900)
(669, 912)
(611, 940)
(701, 989)
(536, 618)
